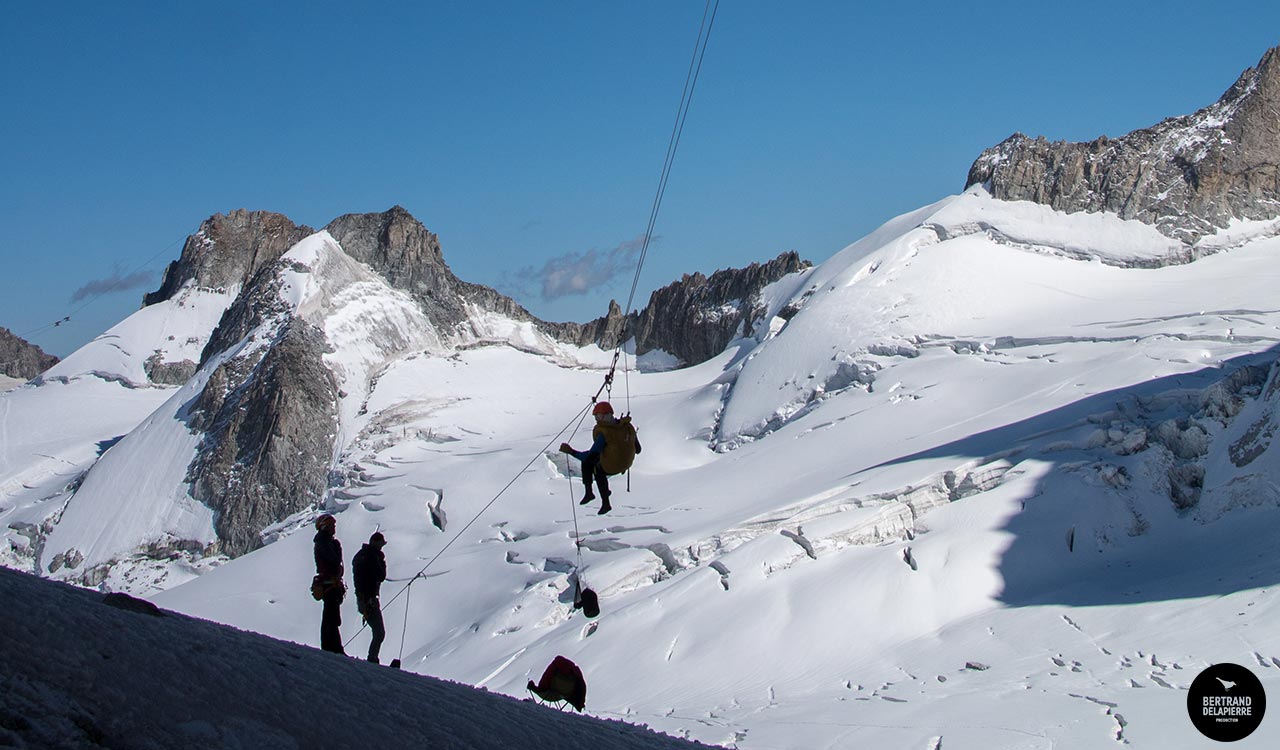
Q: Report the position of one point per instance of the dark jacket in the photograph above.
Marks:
(328, 557)
(368, 570)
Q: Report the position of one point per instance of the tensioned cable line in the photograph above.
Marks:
(486, 507)
(94, 297)
(682, 113)
(677, 131)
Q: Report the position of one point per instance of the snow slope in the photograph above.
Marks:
(975, 489)
(77, 673)
(174, 330)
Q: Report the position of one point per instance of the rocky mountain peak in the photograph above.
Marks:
(404, 252)
(228, 250)
(20, 358)
(395, 244)
(1187, 176)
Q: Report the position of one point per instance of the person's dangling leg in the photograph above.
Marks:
(602, 482)
(590, 467)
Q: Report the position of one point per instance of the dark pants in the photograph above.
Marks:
(330, 620)
(591, 469)
(372, 611)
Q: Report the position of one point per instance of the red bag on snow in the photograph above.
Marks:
(562, 681)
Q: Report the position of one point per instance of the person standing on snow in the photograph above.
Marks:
(614, 447)
(328, 582)
(368, 571)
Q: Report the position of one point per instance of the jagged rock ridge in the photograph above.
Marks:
(20, 358)
(269, 411)
(402, 250)
(696, 318)
(1186, 176)
(228, 250)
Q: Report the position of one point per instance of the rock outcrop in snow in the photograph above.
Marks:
(1187, 176)
(20, 358)
(268, 420)
(228, 250)
(696, 318)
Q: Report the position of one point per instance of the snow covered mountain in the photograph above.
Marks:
(997, 475)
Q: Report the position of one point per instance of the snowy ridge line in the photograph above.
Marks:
(964, 345)
(1227, 313)
(1176, 255)
(110, 377)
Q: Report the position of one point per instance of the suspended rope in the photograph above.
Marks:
(573, 508)
(94, 297)
(404, 628)
(486, 507)
(673, 143)
(677, 130)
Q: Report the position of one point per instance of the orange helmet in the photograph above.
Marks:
(602, 407)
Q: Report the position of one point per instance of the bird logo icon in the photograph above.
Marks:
(1226, 684)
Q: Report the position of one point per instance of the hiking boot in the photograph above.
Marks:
(586, 498)
(604, 508)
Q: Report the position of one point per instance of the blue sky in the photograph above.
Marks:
(531, 135)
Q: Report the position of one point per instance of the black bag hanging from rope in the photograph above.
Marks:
(585, 600)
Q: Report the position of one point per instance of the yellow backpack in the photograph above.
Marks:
(619, 445)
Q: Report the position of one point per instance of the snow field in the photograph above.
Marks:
(932, 508)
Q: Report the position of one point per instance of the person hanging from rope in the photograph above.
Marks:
(327, 586)
(368, 571)
(614, 447)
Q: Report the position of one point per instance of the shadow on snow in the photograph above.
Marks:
(1077, 542)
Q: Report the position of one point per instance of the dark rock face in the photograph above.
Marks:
(269, 415)
(606, 331)
(22, 359)
(400, 249)
(269, 420)
(229, 249)
(168, 373)
(694, 318)
(1186, 176)
(1261, 432)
